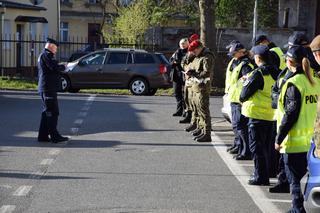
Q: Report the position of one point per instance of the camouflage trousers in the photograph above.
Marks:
(202, 102)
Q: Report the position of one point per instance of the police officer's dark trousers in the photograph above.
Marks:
(296, 167)
(240, 129)
(260, 134)
(178, 93)
(49, 116)
(274, 155)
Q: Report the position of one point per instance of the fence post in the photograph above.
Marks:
(32, 58)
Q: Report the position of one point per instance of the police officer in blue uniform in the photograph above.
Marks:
(256, 100)
(48, 86)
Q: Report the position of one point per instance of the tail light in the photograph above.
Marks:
(162, 69)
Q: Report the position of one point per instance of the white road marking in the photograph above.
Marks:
(256, 193)
(7, 208)
(47, 161)
(22, 191)
(91, 98)
(54, 152)
(78, 121)
(279, 201)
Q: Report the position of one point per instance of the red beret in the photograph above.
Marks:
(194, 45)
(194, 37)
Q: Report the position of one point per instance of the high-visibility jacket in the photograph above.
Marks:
(299, 137)
(280, 54)
(234, 85)
(259, 105)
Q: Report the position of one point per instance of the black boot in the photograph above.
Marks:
(196, 132)
(205, 138)
(187, 119)
(280, 188)
(176, 114)
(191, 127)
(59, 138)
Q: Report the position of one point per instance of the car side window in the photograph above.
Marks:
(94, 59)
(143, 58)
(130, 59)
(117, 58)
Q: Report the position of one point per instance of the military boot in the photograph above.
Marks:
(187, 119)
(204, 138)
(196, 132)
(191, 127)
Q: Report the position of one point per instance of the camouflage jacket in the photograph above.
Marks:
(316, 136)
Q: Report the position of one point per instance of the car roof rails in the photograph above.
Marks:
(125, 49)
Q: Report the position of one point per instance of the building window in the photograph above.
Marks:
(64, 31)
(33, 30)
(45, 30)
(65, 1)
(7, 34)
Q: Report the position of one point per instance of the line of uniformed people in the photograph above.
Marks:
(273, 100)
(195, 68)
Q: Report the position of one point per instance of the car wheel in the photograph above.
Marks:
(65, 83)
(139, 86)
(152, 92)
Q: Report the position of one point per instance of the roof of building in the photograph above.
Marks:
(10, 4)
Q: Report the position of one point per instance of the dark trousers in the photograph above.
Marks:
(274, 155)
(260, 133)
(49, 115)
(178, 94)
(282, 176)
(240, 129)
(296, 167)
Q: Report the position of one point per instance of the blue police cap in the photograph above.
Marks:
(234, 47)
(298, 39)
(260, 50)
(259, 39)
(52, 41)
(297, 53)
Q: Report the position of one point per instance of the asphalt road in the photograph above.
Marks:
(127, 154)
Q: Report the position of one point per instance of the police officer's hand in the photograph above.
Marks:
(277, 147)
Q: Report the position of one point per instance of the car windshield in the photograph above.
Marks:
(94, 59)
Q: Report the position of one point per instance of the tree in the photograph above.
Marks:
(207, 23)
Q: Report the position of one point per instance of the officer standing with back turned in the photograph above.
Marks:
(48, 86)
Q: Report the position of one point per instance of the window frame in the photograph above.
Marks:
(127, 59)
(136, 53)
(87, 56)
(63, 30)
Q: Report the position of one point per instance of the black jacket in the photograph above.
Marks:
(292, 106)
(255, 82)
(276, 88)
(176, 60)
(48, 72)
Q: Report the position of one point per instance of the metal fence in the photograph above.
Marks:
(19, 53)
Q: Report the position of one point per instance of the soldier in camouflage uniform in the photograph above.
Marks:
(203, 68)
(315, 47)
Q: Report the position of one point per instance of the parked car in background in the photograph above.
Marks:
(137, 70)
(310, 183)
(226, 108)
(86, 50)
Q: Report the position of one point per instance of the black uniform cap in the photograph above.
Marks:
(298, 39)
(260, 50)
(235, 47)
(259, 39)
(52, 41)
(297, 53)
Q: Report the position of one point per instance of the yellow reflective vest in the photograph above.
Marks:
(280, 54)
(299, 137)
(234, 85)
(259, 105)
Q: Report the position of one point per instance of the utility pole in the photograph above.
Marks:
(255, 20)
(2, 12)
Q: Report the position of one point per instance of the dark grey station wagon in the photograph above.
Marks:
(137, 70)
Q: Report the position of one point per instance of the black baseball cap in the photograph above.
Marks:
(234, 47)
(52, 41)
(297, 53)
(260, 50)
(297, 39)
(260, 39)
